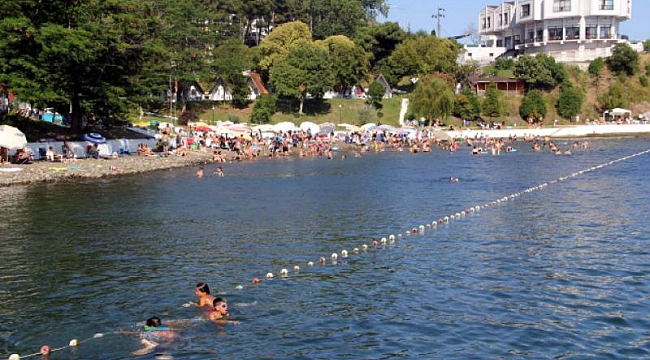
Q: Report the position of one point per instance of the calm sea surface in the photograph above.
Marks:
(560, 272)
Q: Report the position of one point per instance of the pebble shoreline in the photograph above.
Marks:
(46, 171)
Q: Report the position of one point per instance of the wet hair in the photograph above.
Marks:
(154, 322)
(203, 287)
(218, 301)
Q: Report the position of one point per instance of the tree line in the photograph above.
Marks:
(109, 57)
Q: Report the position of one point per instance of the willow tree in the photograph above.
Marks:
(432, 98)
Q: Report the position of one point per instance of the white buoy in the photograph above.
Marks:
(98, 335)
(355, 250)
(421, 228)
(269, 275)
(344, 253)
(383, 241)
(239, 287)
(74, 342)
(296, 268)
(284, 272)
(446, 219)
(334, 256)
(14, 357)
(311, 263)
(391, 237)
(399, 235)
(364, 246)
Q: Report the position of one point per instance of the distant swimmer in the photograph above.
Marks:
(453, 179)
(199, 173)
(219, 309)
(219, 172)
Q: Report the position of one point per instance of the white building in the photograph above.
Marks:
(574, 31)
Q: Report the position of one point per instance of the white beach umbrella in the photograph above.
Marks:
(12, 138)
(284, 126)
(309, 126)
(262, 128)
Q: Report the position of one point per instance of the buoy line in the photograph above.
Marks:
(284, 272)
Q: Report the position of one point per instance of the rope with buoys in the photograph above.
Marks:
(47, 350)
(446, 220)
(455, 216)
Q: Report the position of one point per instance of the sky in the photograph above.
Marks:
(416, 15)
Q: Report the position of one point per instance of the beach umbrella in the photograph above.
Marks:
(284, 126)
(12, 138)
(309, 126)
(326, 128)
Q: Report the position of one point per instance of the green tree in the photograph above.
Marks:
(279, 43)
(425, 55)
(533, 106)
(596, 66)
(615, 97)
(646, 46)
(466, 105)
(231, 59)
(263, 109)
(624, 60)
(306, 69)
(540, 72)
(379, 41)
(492, 106)
(82, 56)
(570, 102)
(375, 95)
(348, 60)
(432, 98)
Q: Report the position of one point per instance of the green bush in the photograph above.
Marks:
(643, 80)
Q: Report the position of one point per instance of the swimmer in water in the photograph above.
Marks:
(202, 291)
(219, 309)
(199, 173)
(219, 172)
(153, 334)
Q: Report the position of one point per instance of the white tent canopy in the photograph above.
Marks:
(618, 112)
(285, 126)
(308, 125)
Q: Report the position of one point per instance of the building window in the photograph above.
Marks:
(605, 32)
(525, 10)
(561, 5)
(572, 32)
(591, 32)
(555, 33)
(489, 25)
(500, 20)
(540, 36)
(531, 36)
(516, 39)
(505, 19)
(606, 4)
(484, 22)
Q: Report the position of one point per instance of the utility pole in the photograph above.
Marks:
(439, 16)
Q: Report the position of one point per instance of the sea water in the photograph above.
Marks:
(555, 271)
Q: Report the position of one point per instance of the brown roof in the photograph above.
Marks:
(257, 81)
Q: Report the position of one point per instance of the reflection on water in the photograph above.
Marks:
(560, 272)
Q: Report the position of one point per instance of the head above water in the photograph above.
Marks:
(203, 287)
(154, 322)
